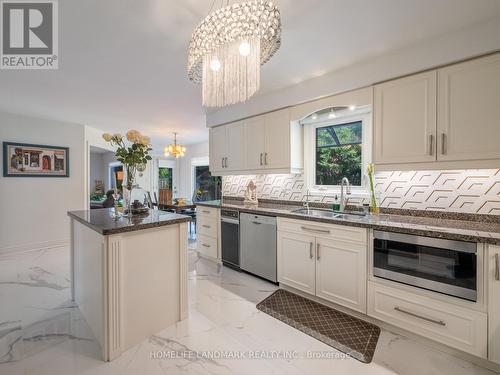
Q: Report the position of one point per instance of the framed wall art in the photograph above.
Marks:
(28, 160)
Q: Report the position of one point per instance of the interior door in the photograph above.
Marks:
(341, 272)
(218, 150)
(234, 133)
(405, 120)
(469, 110)
(296, 261)
(277, 154)
(255, 142)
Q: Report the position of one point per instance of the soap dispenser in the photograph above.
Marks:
(336, 204)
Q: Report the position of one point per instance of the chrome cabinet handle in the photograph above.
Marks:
(315, 230)
(443, 143)
(204, 244)
(497, 267)
(265, 158)
(431, 144)
(317, 252)
(223, 163)
(439, 322)
(205, 211)
(311, 250)
(226, 161)
(256, 222)
(206, 226)
(261, 158)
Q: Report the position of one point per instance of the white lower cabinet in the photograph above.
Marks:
(317, 259)
(208, 229)
(494, 303)
(296, 261)
(341, 272)
(449, 324)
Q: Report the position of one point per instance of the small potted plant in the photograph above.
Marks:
(134, 156)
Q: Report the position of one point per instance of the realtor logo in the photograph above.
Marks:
(29, 34)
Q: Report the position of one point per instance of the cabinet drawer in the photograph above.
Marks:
(207, 246)
(207, 211)
(448, 324)
(207, 225)
(339, 232)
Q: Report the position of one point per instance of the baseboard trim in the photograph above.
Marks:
(23, 248)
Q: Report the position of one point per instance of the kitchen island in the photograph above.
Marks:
(129, 275)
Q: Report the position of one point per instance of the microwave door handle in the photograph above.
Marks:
(497, 267)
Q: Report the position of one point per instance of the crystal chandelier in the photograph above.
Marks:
(229, 46)
(175, 150)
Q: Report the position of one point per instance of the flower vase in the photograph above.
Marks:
(127, 190)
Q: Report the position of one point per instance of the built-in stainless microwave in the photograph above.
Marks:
(440, 265)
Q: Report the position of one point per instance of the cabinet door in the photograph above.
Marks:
(405, 120)
(255, 142)
(493, 254)
(277, 154)
(469, 110)
(234, 155)
(296, 261)
(341, 272)
(217, 148)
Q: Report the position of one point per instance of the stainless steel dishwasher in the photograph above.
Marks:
(258, 245)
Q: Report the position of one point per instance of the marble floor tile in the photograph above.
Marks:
(42, 332)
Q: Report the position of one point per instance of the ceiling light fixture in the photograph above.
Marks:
(229, 46)
(314, 116)
(332, 114)
(175, 150)
(352, 107)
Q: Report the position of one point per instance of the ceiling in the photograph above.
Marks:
(123, 62)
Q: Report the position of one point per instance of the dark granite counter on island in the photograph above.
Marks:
(463, 227)
(102, 220)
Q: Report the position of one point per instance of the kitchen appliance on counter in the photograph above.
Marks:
(439, 265)
(258, 245)
(230, 238)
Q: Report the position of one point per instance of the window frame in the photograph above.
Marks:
(362, 114)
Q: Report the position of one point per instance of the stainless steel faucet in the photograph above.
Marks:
(306, 203)
(343, 197)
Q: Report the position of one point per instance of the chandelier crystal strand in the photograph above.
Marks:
(229, 46)
(238, 77)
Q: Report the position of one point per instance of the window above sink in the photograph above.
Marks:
(337, 144)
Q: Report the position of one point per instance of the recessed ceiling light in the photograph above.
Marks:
(332, 114)
(314, 116)
(352, 107)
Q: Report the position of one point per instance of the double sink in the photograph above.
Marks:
(318, 212)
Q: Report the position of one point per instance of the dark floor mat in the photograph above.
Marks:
(344, 332)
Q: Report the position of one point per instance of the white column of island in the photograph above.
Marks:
(129, 275)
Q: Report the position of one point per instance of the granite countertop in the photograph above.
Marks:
(102, 221)
(439, 226)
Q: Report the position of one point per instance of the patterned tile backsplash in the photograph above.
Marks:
(468, 191)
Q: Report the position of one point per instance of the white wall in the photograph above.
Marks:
(194, 151)
(33, 210)
(479, 39)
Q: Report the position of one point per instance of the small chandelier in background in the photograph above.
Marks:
(175, 150)
(229, 46)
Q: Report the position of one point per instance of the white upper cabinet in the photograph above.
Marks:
(255, 142)
(218, 142)
(268, 143)
(469, 110)
(225, 149)
(405, 120)
(234, 152)
(277, 153)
